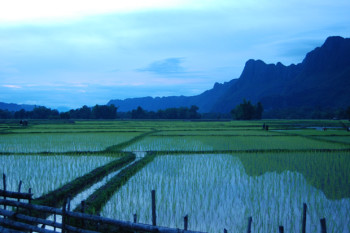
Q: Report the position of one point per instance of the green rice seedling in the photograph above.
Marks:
(327, 171)
(168, 144)
(316, 132)
(216, 193)
(267, 143)
(239, 143)
(98, 199)
(31, 143)
(341, 139)
(218, 132)
(46, 173)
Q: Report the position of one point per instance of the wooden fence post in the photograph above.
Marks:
(68, 210)
(250, 219)
(281, 229)
(54, 219)
(83, 211)
(64, 216)
(304, 218)
(98, 223)
(186, 222)
(19, 191)
(323, 225)
(30, 199)
(19, 188)
(83, 206)
(135, 220)
(4, 183)
(68, 203)
(154, 216)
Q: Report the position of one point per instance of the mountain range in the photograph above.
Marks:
(16, 107)
(322, 79)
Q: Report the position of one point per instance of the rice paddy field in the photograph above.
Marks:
(219, 173)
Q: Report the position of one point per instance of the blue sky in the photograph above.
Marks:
(72, 53)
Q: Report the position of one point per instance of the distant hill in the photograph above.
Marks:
(16, 107)
(204, 101)
(322, 79)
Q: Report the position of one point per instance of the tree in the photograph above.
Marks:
(348, 112)
(104, 111)
(64, 115)
(169, 113)
(193, 112)
(5, 114)
(139, 113)
(21, 114)
(247, 111)
(258, 110)
(81, 113)
(84, 112)
(43, 113)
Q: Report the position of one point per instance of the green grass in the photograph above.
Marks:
(220, 143)
(218, 132)
(61, 142)
(314, 132)
(340, 139)
(268, 143)
(327, 171)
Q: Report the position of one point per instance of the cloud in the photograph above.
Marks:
(175, 47)
(42, 10)
(167, 66)
(12, 86)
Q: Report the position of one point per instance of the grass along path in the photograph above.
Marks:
(95, 202)
(56, 197)
(123, 145)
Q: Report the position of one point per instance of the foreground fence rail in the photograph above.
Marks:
(18, 216)
(18, 221)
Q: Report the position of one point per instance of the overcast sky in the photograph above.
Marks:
(74, 53)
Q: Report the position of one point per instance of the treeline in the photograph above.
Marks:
(244, 111)
(96, 112)
(169, 113)
(247, 111)
(308, 113)
(102, 112)
(36, 113)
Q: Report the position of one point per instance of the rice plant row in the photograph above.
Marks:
(327, 171)
(216, 193)
(98, 199)
(33, 143)
(204, 143)
(56, 197)
(46, 173)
